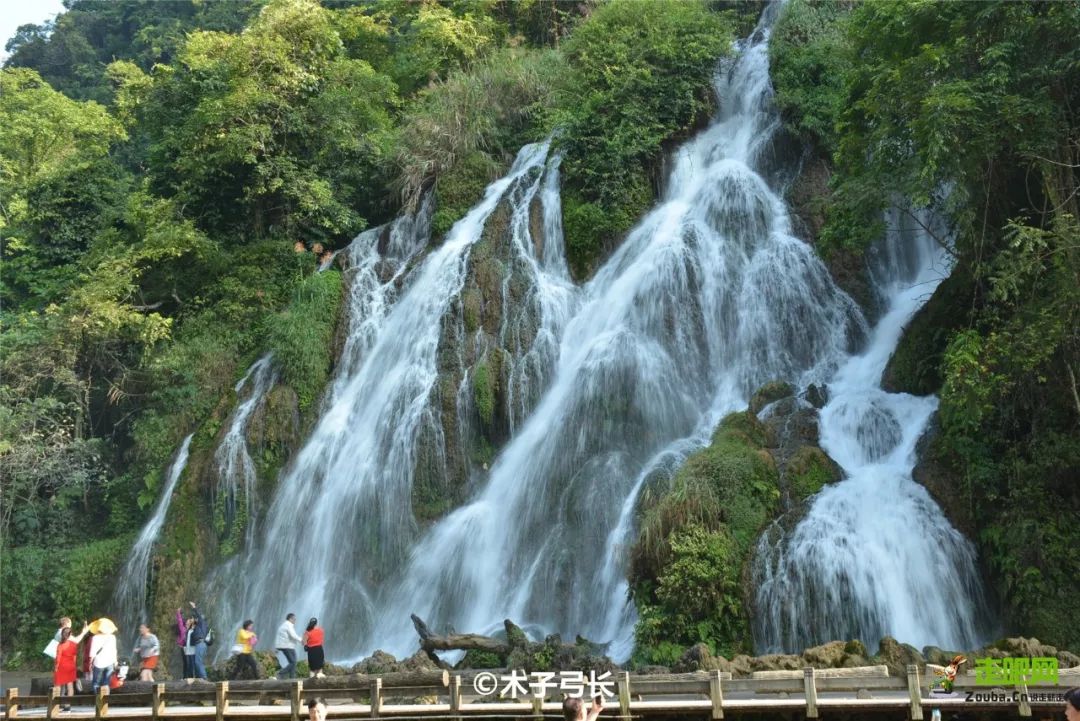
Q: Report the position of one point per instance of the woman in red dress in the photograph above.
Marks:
(64, 672)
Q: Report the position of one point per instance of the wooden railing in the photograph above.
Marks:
(810, 691)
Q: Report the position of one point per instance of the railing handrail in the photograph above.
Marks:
(641, 693)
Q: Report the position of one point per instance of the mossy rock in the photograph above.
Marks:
(471, 306)
(747, 425)
(808, 471)
(695, 541)
(515, 637)
(378, 662)
(915, 365)
(483, 382)
(460, 188)
(475, 658)
(768, 393)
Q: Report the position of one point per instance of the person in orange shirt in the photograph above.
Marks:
(244, 647)
(313, 644)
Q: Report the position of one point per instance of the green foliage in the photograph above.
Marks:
(1009, 413)
(466, 129)
(57, 187)
(916, 365)
(969, 108)
(436, 39)
(476, 658)
(809, 55)
(42, 584)
(809, 470)
(698, 598)
(484, 392)
(300, 337)
(694, 540)
(272, 129)
(72, 52)
(639, 77)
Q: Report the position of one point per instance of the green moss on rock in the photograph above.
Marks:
(460, 188)
(915, 365)
(771, 391)
(809, 470)
(483, 383)
(695, 540)
(755, 432)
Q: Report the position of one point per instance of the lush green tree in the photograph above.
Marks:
(809, 54)
(273, 130)
(58, 187)
(72, 53)
(464, 131)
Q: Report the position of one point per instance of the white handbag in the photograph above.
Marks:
(50, 649)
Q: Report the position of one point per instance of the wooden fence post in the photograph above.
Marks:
(221, 700)
(376, 697)
(716, 694)
(295, 692)
(1025, 702)
(455, 697)
(54, 702)
(11, 703)
(157, 700)
(101, 703)
(624, 695)
(914, 692)
(810, 690)
(537, 705)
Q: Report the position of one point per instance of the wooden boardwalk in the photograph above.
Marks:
(809, 694)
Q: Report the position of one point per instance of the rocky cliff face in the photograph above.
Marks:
(495, 353)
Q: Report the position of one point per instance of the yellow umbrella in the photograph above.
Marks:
(102, 625)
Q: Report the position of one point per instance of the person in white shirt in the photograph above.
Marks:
(285, 641)
(103, 657)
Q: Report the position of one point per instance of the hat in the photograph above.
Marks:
(103, 625)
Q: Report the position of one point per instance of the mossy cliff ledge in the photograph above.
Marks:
(690, 563)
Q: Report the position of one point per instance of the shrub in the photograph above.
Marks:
(640, 77)
(300, 337)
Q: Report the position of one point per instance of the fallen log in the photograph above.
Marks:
(457, 641)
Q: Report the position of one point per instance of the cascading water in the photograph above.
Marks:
(235, 490)
(874, 555)
(129, 600)
(708, 297)
(341, 519)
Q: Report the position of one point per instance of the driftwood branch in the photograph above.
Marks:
(457, 641)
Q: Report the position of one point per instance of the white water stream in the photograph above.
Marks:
(708, 297)
(129, 599)
(874, 555)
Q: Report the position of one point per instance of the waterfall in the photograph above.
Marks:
(707, 298)
(608, 387)
(874, 554)
(234, 494)
(341, 519)
(129, 599)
